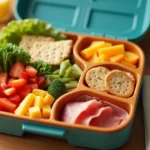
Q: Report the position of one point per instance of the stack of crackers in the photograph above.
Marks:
(46, 48)
(116, 82)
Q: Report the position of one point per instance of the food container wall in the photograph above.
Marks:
(128, 20)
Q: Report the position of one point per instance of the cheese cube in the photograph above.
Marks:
(25, 104)
(39, 92)
(128, 64)
(46, 111)
(112, 50)
(102, 58)
(35, 112)
(91, 50)
(48, 100)
(93, 58)
(131, 57)
(39, 101)
(98, 42)
(117, 58)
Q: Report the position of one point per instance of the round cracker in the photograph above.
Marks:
(119, 83)
(95, 78)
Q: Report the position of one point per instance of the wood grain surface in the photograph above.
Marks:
(35, 142)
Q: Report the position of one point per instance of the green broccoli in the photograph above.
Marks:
(57, 88)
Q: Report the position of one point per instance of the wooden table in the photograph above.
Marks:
(34, 142)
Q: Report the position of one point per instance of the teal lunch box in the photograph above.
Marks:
(111, 20)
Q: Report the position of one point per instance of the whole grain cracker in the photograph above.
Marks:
(27, 41)
(128, 73)
(53, 53)
(119, 83)
(95, 78)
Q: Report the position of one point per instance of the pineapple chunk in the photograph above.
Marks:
(117, 58)
(39, 92)
(39, 101)
(25, 104)
(91, 50)
(35, 112)
(131, 57)
(48, 100)
(46, 111)
(112, 51)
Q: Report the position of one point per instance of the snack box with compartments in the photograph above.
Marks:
(119, 20)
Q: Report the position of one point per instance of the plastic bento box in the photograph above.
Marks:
(127, 20)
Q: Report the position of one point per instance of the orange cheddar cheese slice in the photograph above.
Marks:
(112, 50)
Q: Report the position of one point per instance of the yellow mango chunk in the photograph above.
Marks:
(117, 58)
(90, 51)
(25, 104)
(46, 111)
(39, 101)
(39, 92)
(112, 50)
(35, 112)
(128, 64)
(102, 58)
(131, 57)
(48, 100)
(93, 59)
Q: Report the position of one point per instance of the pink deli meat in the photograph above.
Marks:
(93, 112)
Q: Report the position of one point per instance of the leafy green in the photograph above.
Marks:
(10, 54)
(42, 67)
(13, 32)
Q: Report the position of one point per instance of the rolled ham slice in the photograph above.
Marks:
(73, 110)
(94, 112)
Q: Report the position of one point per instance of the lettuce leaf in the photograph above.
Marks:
(43, 68)
(13, 32)
(11, 54)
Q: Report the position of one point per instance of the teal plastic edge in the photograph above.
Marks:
(138, 35)
(76, 137)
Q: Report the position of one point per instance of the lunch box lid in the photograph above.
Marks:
(121, 19)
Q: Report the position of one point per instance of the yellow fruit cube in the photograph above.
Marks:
(39, 92)
(128, 64)
(102, 58)
(35, 112)
(91, 50)
(131, 57)
(25, 104)
(93, 59)
(48, 100)
(46, 111)
(39, 101)
(27, 113)
(112, 50)
(117, 58)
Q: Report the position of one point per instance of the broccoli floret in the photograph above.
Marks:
(57, 88)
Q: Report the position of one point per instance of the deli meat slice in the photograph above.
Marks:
(73, 110)
(105, 118)
(88, 112)
(94, 112)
